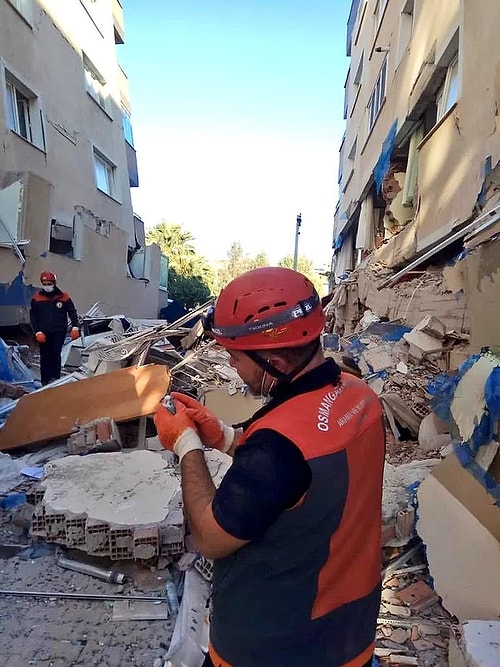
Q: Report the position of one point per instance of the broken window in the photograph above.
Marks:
(163, 272)
(410, 184)
(377, 97)
(104, 174)
(137, 254)
(95, 83)
(24, 116)
(66, 236)
(11, 216)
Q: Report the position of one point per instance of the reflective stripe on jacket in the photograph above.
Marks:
(308, 592)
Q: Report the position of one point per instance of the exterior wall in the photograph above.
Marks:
(45, 53)
(452, 157)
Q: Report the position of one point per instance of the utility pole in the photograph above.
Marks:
(297, 234)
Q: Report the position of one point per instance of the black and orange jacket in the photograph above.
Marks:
(308, 592)
(50, 312)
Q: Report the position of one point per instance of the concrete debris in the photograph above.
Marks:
(475, 644)
(112, 494)
(100, 435)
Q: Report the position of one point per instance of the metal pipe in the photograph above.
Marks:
(81, 596)
(106, 575)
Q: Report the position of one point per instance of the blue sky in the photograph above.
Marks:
(237, 118)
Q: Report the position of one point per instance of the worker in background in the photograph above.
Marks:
(294, 527)
(49, 313)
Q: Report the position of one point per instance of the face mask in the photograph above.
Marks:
(48, 288)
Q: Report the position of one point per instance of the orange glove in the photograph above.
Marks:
(40, 337)
(177, 432)
(213, 432)
(74, 333)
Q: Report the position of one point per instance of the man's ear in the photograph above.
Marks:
(278, 362)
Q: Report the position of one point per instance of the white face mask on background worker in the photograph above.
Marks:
(48, 288)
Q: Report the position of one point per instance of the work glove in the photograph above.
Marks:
(74, 333)
(40, 337)
(213, 432)
(177, 432)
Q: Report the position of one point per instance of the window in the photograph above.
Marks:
(163, 272)
(377, 97)
(24, 8)
(359, 71)
(104, 174)
(379, 10)
(448, 93)
(127, 127)
(24, 115)
(66, 236)
(405, 29)
(411, 176)
(341, 160)
(94, 83)
(346, 94)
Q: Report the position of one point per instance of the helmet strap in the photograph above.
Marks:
(274, 372)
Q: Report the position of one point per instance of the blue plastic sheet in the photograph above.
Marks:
(442, 388)
(382, 167)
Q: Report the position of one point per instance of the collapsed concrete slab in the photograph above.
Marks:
(459, 522)
(477, 646)
(52, 413)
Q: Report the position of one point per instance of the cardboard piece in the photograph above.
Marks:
(232, 409)
(460, 526)
(52, 413)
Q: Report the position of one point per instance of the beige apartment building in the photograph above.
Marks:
(419, 161)
(67, 161)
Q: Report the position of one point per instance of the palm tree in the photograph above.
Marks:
(175, 243)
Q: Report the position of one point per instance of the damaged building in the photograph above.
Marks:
(67, 161)
(417, 222)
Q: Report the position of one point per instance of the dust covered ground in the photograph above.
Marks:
(67, 632)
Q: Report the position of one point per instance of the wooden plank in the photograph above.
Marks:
(121, 395)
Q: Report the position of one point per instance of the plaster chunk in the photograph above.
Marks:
(127, 489)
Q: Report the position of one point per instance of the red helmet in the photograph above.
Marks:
(268, 307)
(48, 275)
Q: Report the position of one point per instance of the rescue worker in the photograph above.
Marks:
(294, 527)
(49, 313)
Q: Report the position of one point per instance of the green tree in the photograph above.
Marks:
(191, 280)
(190, 291)
(261, 259)
(175, 243)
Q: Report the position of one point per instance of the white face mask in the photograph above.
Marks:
(48, 288)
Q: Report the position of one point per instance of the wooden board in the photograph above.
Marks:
(52, 413)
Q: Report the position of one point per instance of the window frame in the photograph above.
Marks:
(377, 98)
(24, 8)
(109, 173)
(450, 85)
(95, 83)
(23, 112)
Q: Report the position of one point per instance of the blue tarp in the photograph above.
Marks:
(384, 160)
(442, 388)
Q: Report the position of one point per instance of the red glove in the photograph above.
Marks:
(74, 333)
(40, 337)
(177, 432)
(213, 432)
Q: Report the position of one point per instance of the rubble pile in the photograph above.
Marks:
(85, 484)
